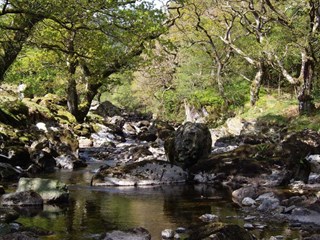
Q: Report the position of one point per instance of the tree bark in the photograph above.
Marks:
(256, 84)
(306, 105)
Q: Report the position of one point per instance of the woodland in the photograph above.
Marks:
(218, 56)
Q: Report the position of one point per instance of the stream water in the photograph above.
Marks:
(95, 210)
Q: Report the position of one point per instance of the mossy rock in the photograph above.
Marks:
(13, 113)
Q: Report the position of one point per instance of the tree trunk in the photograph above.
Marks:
(72, 97)
(306, 105)
(92, 90)
(256, 84)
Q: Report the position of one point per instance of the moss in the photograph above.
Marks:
(63, 116)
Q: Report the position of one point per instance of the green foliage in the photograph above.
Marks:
(38, 70)
(123, 97)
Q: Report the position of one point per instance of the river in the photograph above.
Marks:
(95, 210)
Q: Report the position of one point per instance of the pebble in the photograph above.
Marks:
(209, 217)
(249, 218)
(181, 230)
(248, 226)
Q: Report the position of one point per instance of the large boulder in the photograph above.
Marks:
(296, 147)
(22, 198)
(140, 173)
(107, 109)
(191, 143)
(50, 190)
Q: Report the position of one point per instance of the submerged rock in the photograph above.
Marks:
(140, 173)
(50, 190)
(220, 231)
(131, 234)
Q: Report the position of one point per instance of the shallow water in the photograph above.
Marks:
(95, 210)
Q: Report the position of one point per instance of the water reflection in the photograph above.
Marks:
(95, 210)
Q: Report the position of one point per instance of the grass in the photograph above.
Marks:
(272, 109)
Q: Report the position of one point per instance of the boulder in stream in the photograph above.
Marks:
(191, 143)
(50, 190)
(140, 173)
(23, 198)
(8, 215)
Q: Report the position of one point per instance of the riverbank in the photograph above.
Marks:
(249, 160)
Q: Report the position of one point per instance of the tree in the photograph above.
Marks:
(18, 18)
(97, 39)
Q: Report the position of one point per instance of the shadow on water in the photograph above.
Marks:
(95, 210)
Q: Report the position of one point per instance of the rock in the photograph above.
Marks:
(181, 230)
(164, 129)
(139, 152)
(107, 109)
(269, 204)
(278, 237)
(44, 160)
(140, 173)
(107, 131)
(19, 236)
(22, 198)
(16, 156)
(4, 229)
(129, 129)
(264, 196)
(238, 162)
(234, 126)
(50, 190)
(42, 127)
(313, 237)
(83, 130)
(192, 143)
(167, 234)
(8, 215)
(131, 234)
(244, 192)
(314, 162)
(147, 136)
(8, 172)
(304, 215)
(2, 191)
(117, 121)
(248, 226)
(204, 177)
(209, 218)
(296, 147)
(247, 201)
(85, 142)
(220, 231)
(69, 162)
